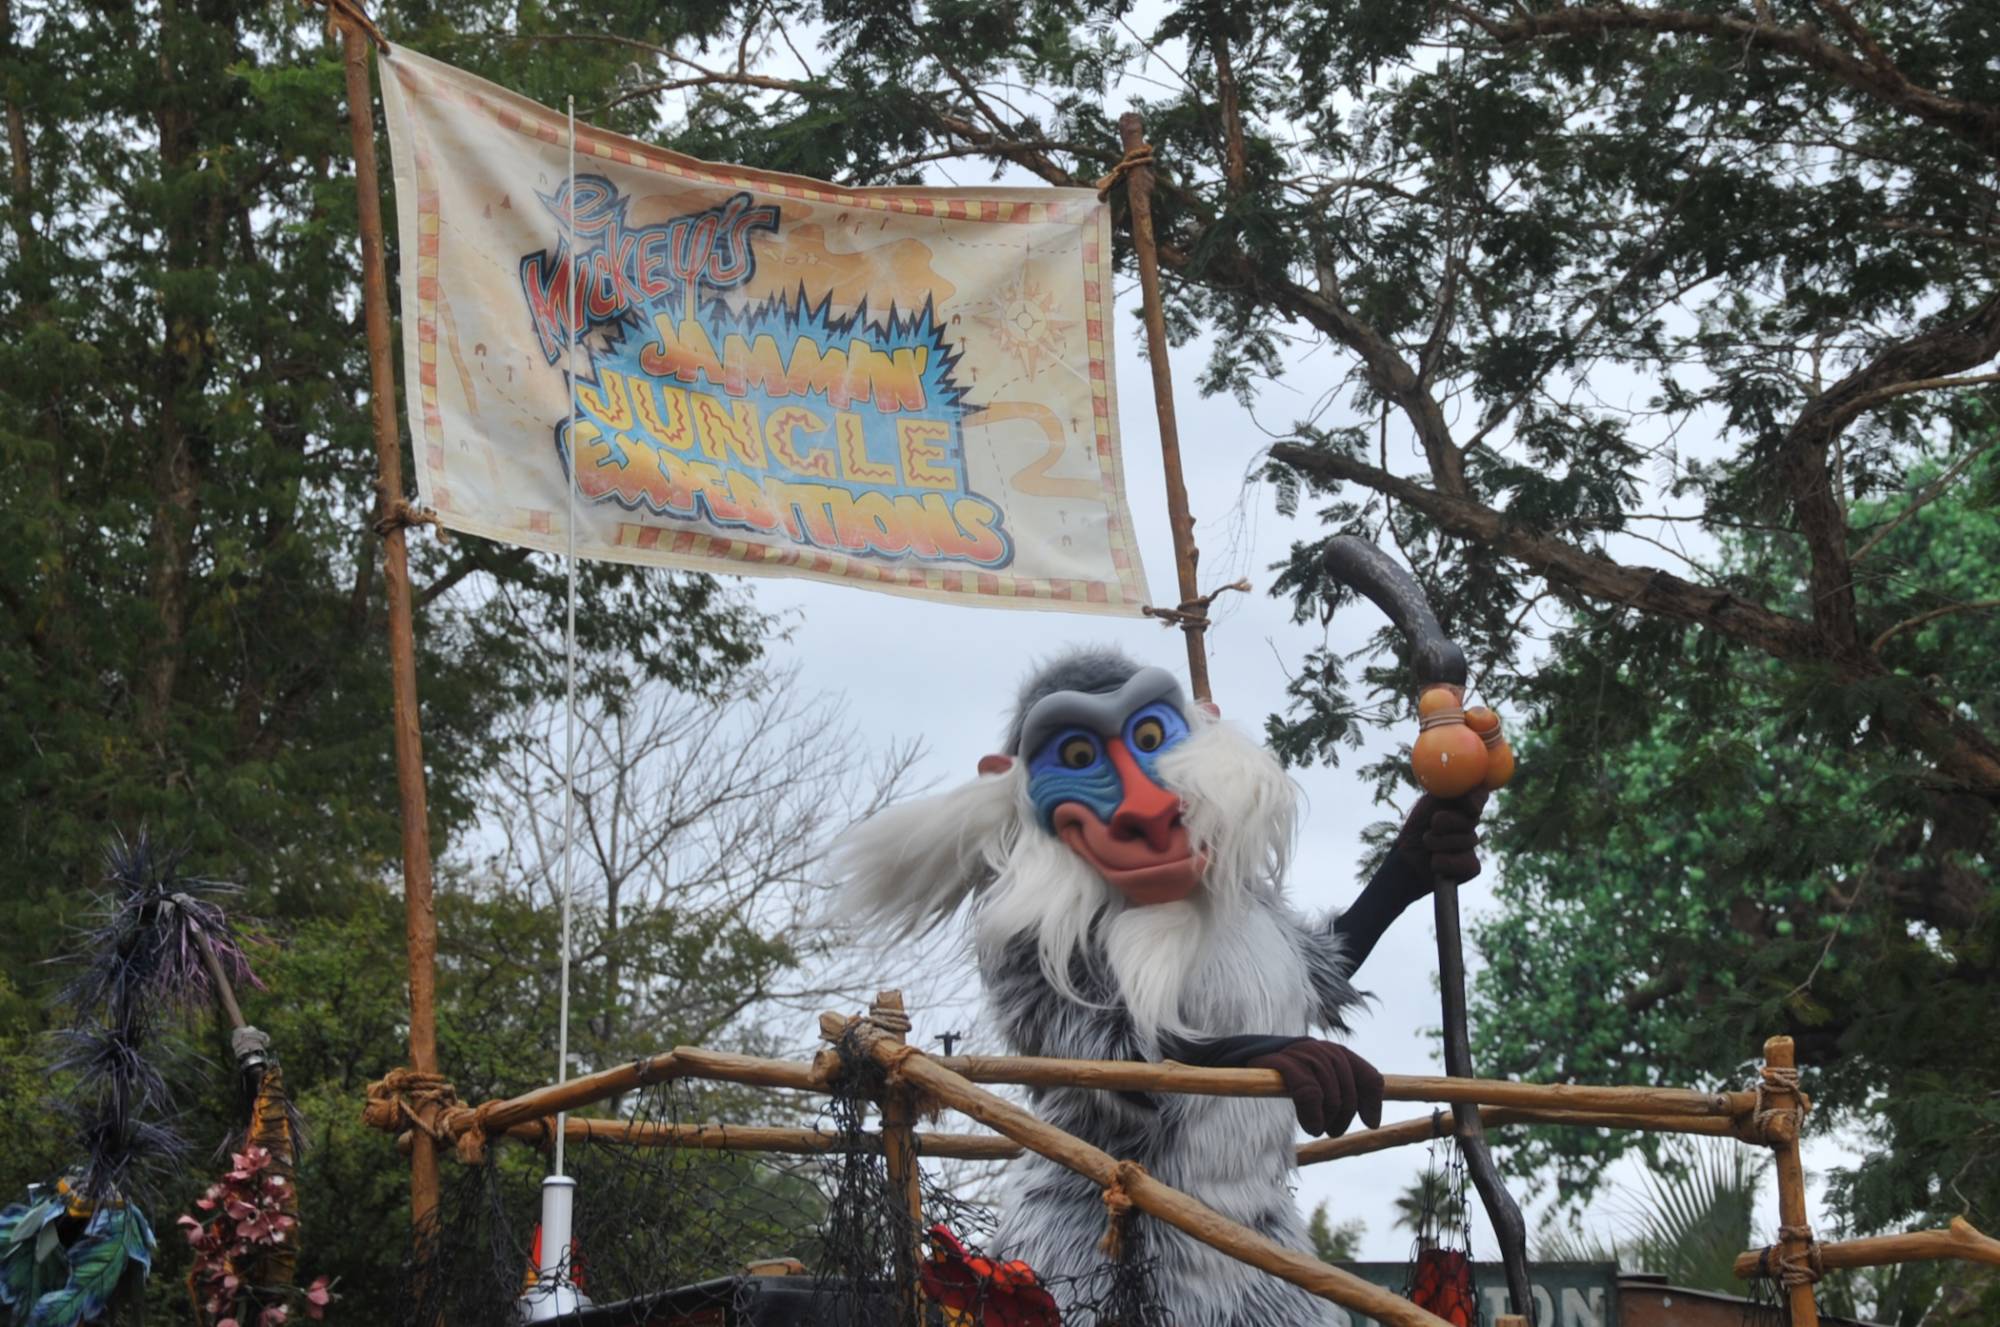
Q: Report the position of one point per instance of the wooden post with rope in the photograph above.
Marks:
(1192, 616)
(393, 517)
(1780, 1113)
(899, 1151)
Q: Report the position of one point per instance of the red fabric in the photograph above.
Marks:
(1004, 1294)
(1441, 1283)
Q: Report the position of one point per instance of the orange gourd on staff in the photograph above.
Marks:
(1450, 759)
(1499, 755)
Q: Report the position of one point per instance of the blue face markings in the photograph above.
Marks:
(1073, 767)
(1151, 732)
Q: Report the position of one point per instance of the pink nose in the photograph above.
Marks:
(1149, 811)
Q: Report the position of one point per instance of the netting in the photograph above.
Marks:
(663, 1235)
(1440, 1277)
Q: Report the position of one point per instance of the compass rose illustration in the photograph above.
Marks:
(1023, 318)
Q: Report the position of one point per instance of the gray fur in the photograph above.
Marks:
(1090, 670)
(1072, 971)
(1233, 1154)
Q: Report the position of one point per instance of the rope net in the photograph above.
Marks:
(665, 1235)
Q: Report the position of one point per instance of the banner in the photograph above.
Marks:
(902, 389)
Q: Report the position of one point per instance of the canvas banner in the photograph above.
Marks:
(902, 389)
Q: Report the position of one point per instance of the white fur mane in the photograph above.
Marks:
(1178, 966)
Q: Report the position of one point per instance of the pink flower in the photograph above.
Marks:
(274, 1316)
(318, 1295)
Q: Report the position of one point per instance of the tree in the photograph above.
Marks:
(1676, 884)
(1429, 1202)
(191, 626)
(1331, 1243)
(701, 824)
(1687, 1220)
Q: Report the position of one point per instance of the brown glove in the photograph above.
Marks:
(1440, 839)
(1327, 1083)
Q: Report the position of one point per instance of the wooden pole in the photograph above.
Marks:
(753, 1138)
(1781, 1114)
(1403, 1133)
(1187, 558)
(899, 1151)
(420, 909)
(1962, 1241)
(1557, 1103)
(1147, 1194)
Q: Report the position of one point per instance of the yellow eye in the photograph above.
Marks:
(1147, 734)
(1078, 753)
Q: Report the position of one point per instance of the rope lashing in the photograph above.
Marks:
(429, 1104)
(402, 515)
(353, 15)
(892, 1020)
(1802, 1267)
(1118, 1211)
(1192, 615)
(1783, 1086)
(1141, 155)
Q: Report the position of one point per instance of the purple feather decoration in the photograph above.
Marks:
(141, 958)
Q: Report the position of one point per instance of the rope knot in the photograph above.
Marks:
(1192, 615)
(1141, 155)
(1779, 1109)
(1800, 1265)
(1118, 1212)
(404, 1096)
(892, 1019)
(401, 515)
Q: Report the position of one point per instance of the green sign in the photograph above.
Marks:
(1567, 1294)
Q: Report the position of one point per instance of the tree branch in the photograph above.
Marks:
(1963, 754)
(1802, 456)
(1911, 623)
(1566, 565)
(1976, 124)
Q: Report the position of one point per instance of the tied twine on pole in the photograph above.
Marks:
(1118, 1212)
(1790, 1269)
(347, 13)
(429, 1104)
(1778, 1111)
(403, 514)
(1139, 156)
(1192, 615)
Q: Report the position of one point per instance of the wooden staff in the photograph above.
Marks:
(1781, 1115)
(1139, 195)
(1961, 1241)
(392, 515)
(907, 1064)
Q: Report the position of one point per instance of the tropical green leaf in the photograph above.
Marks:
(98, 1265)
(21, 1269)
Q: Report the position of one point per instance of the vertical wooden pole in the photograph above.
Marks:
(899, 1148)
(419, 905)
(1139, 191)
(1781, 1112)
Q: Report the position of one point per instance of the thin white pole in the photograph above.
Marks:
(569, 654)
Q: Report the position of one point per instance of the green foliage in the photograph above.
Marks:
(191, 621)
(1331, 1243)
(115, 1247)
(1703, 849)
(1687, 1220)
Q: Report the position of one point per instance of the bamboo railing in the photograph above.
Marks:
(1770, 1114)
